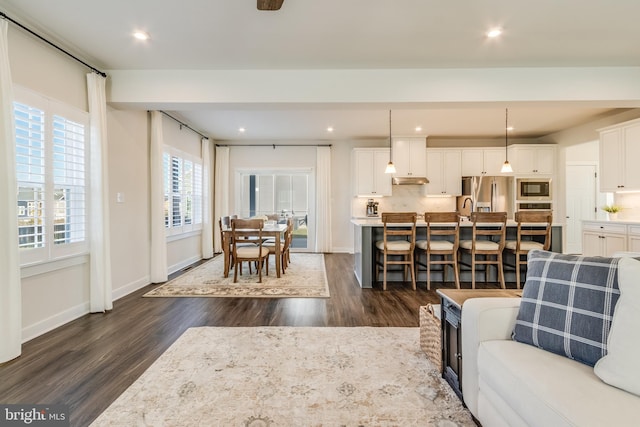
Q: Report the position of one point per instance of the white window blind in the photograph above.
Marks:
(51, 159)
(69, 201)
(30, 170)
(182, 176)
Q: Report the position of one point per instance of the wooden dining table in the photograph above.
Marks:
(273, 230)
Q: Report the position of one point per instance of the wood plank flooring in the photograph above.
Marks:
(89, 362)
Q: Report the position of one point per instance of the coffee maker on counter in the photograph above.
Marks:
(372, 207)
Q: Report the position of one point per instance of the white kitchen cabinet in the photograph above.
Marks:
(410, 156)
(533, 159)
(482, 161)
(368, 172)
(619, 153)
(444, 171)
(634, 238)
(600, 238)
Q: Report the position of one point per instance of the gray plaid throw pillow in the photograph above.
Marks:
(567, 304)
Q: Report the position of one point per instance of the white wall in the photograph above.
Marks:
(54, 296)
(129, 175)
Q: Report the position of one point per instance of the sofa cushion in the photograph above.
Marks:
(546, 389)
(620, 366)
(567, 304)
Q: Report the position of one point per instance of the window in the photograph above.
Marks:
(182, 175)
(51, 174)
(282, 193)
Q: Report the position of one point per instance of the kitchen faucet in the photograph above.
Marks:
(464, 204)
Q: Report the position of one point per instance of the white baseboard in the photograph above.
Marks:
(50, 323)
(184, 263)
(345, 250)
(125, 290)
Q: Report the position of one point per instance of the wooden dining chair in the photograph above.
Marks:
(399, 240)
(530, 224)
(250, 230)
(488, 240)
(444, 247)
(285, 245)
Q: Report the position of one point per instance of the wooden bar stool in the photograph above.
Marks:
(530, 223)
(399, 239)
(440, 224)
(487, 226)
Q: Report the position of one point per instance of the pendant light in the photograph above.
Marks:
(506, 166)
(391, 168)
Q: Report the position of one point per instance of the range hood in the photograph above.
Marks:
(410, 180)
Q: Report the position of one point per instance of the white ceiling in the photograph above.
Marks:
(354, 34)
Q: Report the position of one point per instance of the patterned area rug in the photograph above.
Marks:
(290, 376)
(305, 277)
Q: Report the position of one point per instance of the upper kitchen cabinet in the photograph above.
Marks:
(482, 161)
(410, 156)
(533, 159)
(368, 172)
(444, 171)
(619, 154)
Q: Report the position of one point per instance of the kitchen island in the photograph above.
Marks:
(368, 230)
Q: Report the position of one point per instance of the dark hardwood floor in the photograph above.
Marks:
(89, 362)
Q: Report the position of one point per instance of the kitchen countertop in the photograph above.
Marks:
(377, 222)
(615, 221)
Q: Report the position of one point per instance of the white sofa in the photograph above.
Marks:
(507, 383)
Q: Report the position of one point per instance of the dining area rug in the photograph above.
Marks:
(290, 376)
(305, 277)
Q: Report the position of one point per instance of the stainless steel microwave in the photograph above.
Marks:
(534, 189)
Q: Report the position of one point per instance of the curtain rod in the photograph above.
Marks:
(183, 124)
(273, 145)
(94, 69)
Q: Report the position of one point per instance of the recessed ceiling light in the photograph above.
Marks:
(418, 128)
(330, 129)
(510, 128)
(494, 32)
(141, 35)
(241, 130)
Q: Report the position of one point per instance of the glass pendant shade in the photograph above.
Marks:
(506, 167)
(391, 168)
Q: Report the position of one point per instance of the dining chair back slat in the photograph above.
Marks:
(248, 231)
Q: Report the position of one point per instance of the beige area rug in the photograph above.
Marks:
(290, 376)
(305, 277)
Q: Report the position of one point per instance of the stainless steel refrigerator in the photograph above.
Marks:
(488, 194)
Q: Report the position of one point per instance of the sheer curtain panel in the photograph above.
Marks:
(10, 295)
(158, 236)
(207, 214)
(101, 295)
(323, 199)
(221, 191)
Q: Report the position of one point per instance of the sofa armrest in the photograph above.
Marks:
(483, 319)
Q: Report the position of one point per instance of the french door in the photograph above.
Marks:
(280, 194)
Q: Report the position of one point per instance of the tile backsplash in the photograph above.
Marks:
(405, 198)
(630, 203)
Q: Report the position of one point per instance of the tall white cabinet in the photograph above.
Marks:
(619, 154)
(444, 171)
(368, 172)
(482, 161)
(410, 156)
(535, 159)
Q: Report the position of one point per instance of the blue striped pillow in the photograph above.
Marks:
(567, 304)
